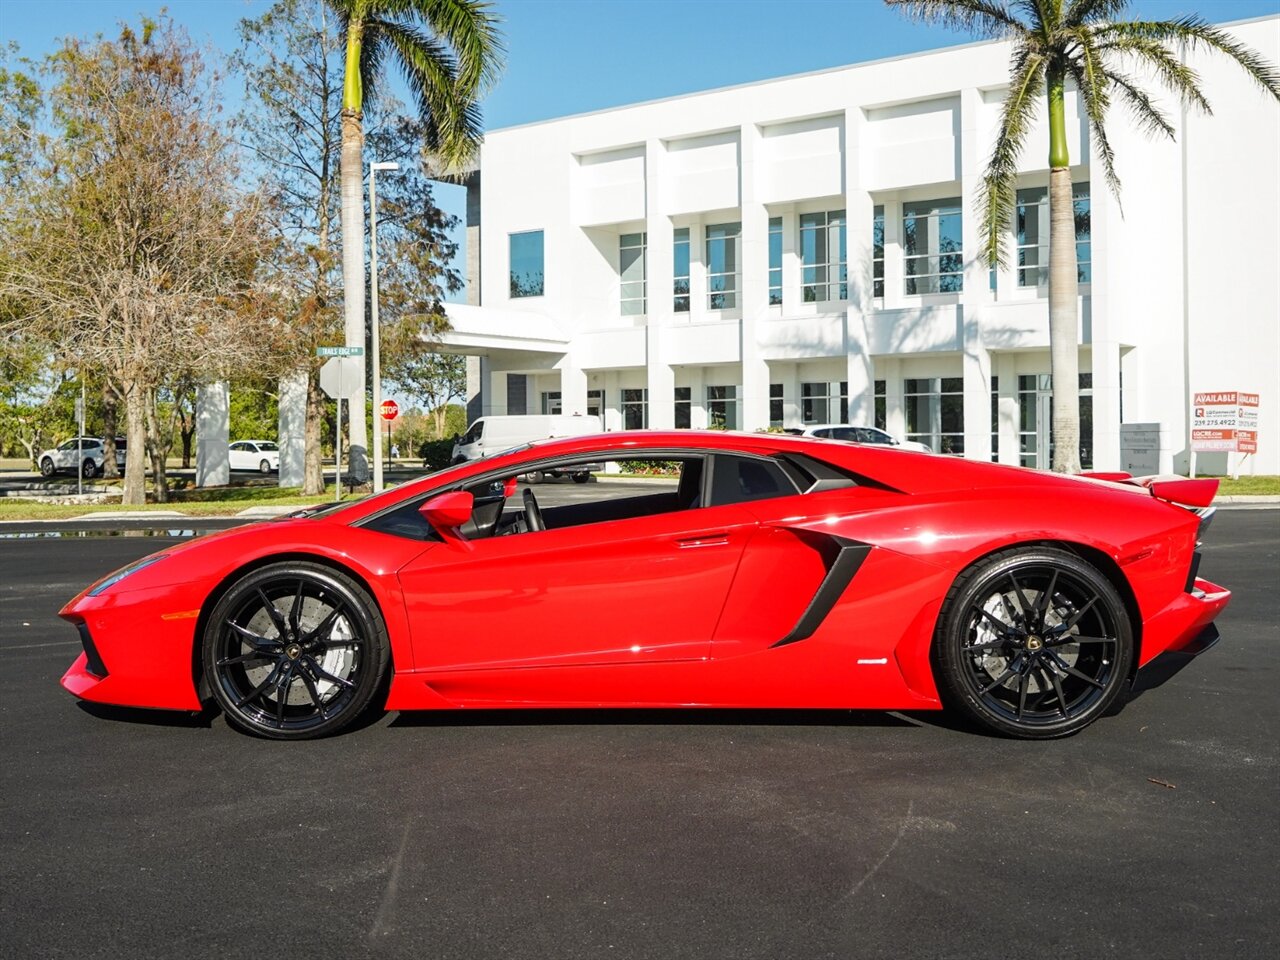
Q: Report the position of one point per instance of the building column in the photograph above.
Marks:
(859, 214)
(573, 387)
(292, 429)
(894, 262)
(1009, 427)
(659, 313)
(977, 285)
(698, 418)
(889, 369)
(754, 295)
(791, 266)
(1106, 404)
(213, 430)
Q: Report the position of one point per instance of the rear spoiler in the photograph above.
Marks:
(1179, 490)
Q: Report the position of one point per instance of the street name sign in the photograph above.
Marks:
(339, 351)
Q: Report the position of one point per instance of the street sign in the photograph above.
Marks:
(339, 351)
(390, 410)
(342, 377)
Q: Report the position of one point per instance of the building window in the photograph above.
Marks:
(551, 403)
(881, 405)
(995, 419)
(722, 408)
(526, 264)
(635, 409)
(632, 270)
(776, 415)
(931, 245)
(684, 408)
(680, 250)
(824, 272)
(1032, 224)
(877, 253)
(934, 408)
(722, 265)
(775, 261)
(821, 402)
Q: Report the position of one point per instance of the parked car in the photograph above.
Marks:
(260, 455)
(851, 434)
(775, 572)
(87, 451)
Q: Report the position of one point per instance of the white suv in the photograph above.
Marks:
(842, 431)
(85, 450)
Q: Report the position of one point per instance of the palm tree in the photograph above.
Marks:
(1082, 41)
(448, 51)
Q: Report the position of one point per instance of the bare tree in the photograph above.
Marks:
(131, 252)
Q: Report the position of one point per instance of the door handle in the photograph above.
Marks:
(720, 539)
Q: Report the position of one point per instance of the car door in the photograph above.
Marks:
(647, 588)
(236, 456)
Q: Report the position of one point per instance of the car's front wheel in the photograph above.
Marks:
(294, 651)
(1033, 643)
(47, 469)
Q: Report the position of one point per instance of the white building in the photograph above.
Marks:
(805, 250)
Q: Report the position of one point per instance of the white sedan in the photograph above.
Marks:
(260, 455)
(843, 431)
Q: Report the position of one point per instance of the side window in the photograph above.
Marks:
(475, 433)
(824, 434)
(848, 434)
(742, 479)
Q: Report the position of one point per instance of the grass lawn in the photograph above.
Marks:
(1249, 486)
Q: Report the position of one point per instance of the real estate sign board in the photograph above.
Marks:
(1226, 421)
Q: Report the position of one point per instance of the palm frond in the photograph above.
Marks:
(448, 110)
(983, 18)
(1173, 73)
(1046, 13)
(372, 50)
(998, 194)
(1151, 119)
(1083, 11)
(1092, 84)
(468, 27)
(1197, 33)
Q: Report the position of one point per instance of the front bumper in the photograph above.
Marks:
(138, 649)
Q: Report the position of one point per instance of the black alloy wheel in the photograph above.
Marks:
(1033, 643)
(294, 651)
(47, 468)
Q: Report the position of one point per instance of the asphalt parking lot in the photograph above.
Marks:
(629, 834)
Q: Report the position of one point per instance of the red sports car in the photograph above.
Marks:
(762, 571)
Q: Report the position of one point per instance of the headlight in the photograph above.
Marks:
(124, 572)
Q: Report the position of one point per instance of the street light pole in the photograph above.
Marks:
(375, 333)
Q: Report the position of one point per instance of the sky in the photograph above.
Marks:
(573, 56)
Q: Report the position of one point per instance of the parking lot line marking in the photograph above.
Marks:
(33, 646)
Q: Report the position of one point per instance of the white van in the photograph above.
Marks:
(490, 435)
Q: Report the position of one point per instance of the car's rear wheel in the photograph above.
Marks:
(47, 468)
(1033, 643)
(90, 469)
(294, 650)
(581, 477)
(264, 467)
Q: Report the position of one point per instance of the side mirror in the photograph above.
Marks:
(446, 512)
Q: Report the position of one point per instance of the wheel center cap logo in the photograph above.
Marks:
(292, 651)
(1034, 643)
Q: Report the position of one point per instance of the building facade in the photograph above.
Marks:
(805, 250)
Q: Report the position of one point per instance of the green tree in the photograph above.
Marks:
(448, 51)
(1082, 42)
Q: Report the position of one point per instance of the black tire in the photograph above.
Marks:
(90, 469)
(47, 469)
(272, 660)
(1033, 643)
(264, 467)
(581, 477)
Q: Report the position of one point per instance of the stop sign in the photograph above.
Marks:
(390, 410)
